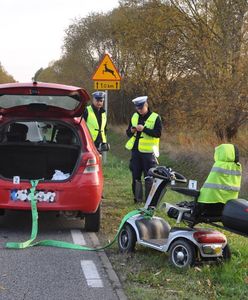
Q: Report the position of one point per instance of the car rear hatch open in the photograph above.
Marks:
(42, 99)
(51, 142)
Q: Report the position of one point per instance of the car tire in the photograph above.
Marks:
(182, 254)
(127, 239)
(92, 221)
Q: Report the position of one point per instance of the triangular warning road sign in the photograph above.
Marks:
(106, 70)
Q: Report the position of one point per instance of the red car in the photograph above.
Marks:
(42, 136)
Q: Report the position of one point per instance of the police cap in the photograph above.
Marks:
(140, 101)
(98, 95)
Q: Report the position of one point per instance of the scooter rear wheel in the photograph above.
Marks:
(227, 254)
(182, 254)
(127, 239)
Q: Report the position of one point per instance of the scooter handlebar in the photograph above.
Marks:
(179, 177)
(159, 172)
(166, 174)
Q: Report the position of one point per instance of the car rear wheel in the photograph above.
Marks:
(92, 221)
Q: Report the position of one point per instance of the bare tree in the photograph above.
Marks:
(216, 38)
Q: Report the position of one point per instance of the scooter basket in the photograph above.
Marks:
(235, 215)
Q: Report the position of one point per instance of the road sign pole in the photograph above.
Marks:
(106, 102)
(104, 154)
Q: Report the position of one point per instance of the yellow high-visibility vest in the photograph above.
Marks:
(146, 143)
(93, 125)
(223, 182)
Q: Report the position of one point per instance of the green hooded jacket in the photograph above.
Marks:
(223, 182)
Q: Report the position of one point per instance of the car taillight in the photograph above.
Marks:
(90, 162)
(204, 237)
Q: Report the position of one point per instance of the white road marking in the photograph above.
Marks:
(89, 268)
(91, 274)
(78, 237)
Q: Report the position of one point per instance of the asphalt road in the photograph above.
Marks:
(53, 273)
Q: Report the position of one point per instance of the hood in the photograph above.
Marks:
(226, 153)
(42, 99)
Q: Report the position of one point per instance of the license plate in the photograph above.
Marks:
(39, 195)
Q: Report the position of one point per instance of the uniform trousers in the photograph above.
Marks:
(140, 163)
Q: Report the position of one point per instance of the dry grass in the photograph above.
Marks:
(193, 152)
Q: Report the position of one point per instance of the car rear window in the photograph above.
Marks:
(45, 132)
(61, 101)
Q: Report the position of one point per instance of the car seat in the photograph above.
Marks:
(65, 136)
(17, 132)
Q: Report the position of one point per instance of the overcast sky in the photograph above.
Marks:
(32, 31)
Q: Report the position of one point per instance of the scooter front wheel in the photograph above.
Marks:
(127, 239)
(182, 254)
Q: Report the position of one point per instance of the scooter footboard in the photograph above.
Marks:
(154, 228)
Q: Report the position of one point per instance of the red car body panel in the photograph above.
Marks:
(82, 191)
(43, 89)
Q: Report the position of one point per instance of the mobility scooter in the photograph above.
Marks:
(185, 245)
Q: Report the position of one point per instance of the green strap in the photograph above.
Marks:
(30, 243)
(34, 222)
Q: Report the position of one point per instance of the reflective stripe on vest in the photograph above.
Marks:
(221, 186)
(224, 171)
(146, 142)
(223, 183)
(93, 125)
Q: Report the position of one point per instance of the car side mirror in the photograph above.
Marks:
(104, 147)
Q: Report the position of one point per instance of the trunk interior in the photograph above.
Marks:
(30, 161)
(35, 150)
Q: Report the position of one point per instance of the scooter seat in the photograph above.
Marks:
(186, 191)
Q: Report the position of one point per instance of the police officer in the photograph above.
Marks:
(144, 132)
(96, 119)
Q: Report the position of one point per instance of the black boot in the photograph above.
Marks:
(138, 191)
(148, 186)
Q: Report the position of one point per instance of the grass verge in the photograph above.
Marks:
(146, 273)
